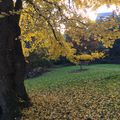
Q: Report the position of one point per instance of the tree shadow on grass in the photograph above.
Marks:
(78, 71)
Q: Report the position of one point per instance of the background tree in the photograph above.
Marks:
(91, 38)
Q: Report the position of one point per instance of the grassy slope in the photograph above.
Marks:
(101, 75)
(62, 95)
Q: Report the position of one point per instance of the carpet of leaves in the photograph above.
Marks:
(75, 103)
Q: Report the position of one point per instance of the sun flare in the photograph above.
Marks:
(103, 9)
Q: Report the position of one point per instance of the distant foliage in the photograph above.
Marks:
(115, 50)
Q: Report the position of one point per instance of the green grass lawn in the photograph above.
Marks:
(65, 93)
(99, 75)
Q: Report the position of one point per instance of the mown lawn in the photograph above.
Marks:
(66, 93)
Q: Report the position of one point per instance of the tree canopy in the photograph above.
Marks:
(43, 21)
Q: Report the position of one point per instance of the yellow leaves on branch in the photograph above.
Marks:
(97, 55)
(95, 3)
(82, 31)
(56, 50)
(86, 57)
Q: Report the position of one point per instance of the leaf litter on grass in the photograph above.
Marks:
(90, 95)
(75, 103)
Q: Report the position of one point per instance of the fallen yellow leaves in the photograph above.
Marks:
(73, 104)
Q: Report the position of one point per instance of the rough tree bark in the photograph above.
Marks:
(19, 61)
(12, 63)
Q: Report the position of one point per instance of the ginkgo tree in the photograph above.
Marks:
(95, 34)
(44, 34)
(41, 23)
(47, 34)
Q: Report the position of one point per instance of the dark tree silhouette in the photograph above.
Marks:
(12, 62)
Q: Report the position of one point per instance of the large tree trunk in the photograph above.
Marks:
(12, 63)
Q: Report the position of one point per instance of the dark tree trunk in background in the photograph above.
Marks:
(12, 63)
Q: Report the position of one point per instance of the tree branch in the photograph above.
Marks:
(37, 9)
(18, 5)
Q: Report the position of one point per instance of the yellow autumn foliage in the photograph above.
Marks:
(43, 25)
